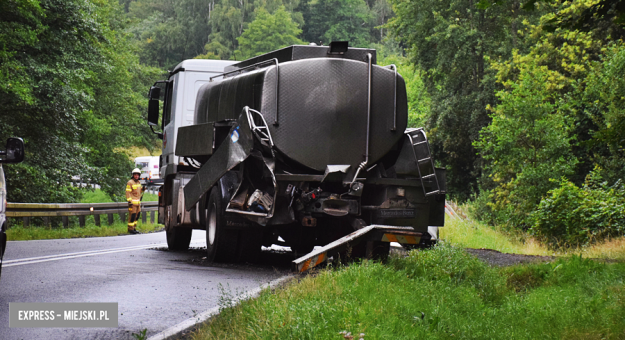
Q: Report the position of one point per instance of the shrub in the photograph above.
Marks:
(573, 216)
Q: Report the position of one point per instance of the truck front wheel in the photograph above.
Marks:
(221, 244)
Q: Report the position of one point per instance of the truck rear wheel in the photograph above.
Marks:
(250, 243)
(178, 238)
(221, 244)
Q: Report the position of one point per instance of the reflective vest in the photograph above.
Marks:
(133, 191)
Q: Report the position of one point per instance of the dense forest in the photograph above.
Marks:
(523, 101)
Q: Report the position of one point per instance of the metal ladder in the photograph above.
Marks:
(425, 164)
(262, 131)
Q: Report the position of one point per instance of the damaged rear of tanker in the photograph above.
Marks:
(298, 147)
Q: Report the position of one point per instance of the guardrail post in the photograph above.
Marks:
(122, 217)
(81, 220)
(65, 221)
(110, 218)
(152, 217)
(46, 221)
(96, 219)
(144, 217)
(26, 221)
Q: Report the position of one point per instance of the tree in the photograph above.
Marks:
(334, 20)
(268, 32)
(453, 42)
(419, 101)
(559, 110)
(230, 18)
(168, 32)
(527, 145)
(71, 89)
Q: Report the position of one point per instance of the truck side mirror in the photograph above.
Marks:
(14, 151)
(153, 105)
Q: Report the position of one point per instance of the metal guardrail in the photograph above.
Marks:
(64, 210)
(454, 211)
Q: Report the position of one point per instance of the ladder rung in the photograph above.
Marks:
(428, 176)
(432, 192)
(424, 159)
(419, 143)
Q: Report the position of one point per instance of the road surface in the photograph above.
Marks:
(154, 287)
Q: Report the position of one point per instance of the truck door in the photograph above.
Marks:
(169, 125)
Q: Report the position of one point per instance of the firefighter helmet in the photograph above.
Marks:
(136, 171)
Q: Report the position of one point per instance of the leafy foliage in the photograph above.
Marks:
(551, 118)
(575, 216)
(452, 43)
(72, 91)
(336, 20)
(268, 32)
(527, 143)
(419, 101)
(604, 96)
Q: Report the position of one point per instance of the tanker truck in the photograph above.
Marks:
(301, 147)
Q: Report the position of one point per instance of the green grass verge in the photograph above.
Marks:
(443, 293)
(473, 234)
(20, 233)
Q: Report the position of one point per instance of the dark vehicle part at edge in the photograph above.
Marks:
(14, 153)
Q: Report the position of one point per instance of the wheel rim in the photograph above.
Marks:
(212, 224)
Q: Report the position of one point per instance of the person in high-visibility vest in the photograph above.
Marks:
(134, 191)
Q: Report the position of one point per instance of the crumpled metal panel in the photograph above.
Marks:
(232, 152)
(332, 170)
(322, 112)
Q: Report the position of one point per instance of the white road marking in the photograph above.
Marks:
(67, 256)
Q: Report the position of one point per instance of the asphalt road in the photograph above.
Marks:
(154, 287)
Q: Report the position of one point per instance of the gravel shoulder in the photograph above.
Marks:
(496, 258)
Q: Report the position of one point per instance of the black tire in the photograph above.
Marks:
(178, 238)
(221, 243)
(302, 249)
(379, 250)
(250, 243)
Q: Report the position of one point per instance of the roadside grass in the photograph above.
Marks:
(21, 233)
(438, 294)
(473, 234)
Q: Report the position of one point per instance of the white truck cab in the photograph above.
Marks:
(180, 92)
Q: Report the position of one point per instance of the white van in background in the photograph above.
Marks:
(149, 166)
